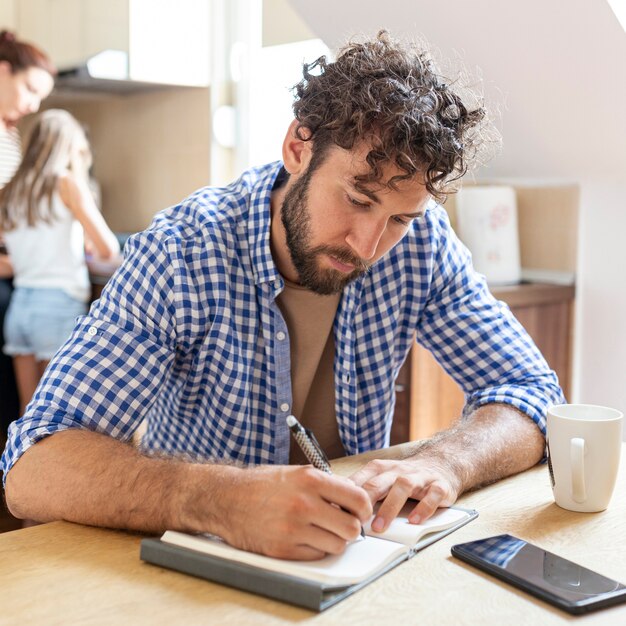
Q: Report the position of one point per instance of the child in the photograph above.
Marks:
(45, 212)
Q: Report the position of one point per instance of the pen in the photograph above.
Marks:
(310, 447)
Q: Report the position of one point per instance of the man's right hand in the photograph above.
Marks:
(289, 512)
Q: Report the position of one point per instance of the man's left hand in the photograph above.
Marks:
(495, 441)
(430, 482)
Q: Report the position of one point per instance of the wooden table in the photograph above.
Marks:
(63, 573)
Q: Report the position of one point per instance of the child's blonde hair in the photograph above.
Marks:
(57, 143)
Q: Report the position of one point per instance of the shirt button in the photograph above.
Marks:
(92, 331)
(284, 407)
(280, 335)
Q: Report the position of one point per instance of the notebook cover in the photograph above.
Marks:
(298, 591)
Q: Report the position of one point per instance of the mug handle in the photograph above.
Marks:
(577, 458)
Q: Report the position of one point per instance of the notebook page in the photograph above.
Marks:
(361, 559)
(402, 531)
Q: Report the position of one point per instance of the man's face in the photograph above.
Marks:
(21, 92)
(334, 230)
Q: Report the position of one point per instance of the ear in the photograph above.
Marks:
(296, 151)
(5, 68)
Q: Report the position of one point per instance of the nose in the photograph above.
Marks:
(364, 236)
(34, 106)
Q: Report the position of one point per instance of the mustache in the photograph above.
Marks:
(344, 256)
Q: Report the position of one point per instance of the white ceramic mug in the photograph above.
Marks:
(584, 445)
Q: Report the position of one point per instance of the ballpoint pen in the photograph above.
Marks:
(310, 447)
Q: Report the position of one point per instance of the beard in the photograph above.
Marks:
(296, 219)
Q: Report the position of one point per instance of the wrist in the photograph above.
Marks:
(451, 468)
(202, 496)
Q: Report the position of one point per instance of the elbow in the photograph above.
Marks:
(113, 250)
(110, 251)
(23, 487)
(108, 255)
(14, 495)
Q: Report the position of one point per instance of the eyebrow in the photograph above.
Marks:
(374, 198)
(366, 192)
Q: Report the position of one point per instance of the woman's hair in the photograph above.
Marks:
(56, 143)
(21, 55)
(391, 96)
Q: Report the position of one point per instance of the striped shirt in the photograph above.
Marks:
(188, 334)
(10, 154)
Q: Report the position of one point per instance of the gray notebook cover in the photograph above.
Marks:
(305, 593)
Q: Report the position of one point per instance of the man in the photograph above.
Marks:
(297, 289)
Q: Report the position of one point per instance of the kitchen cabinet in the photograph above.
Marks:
(428, 400)
(8, 17)
(71, 31)
(164, 41)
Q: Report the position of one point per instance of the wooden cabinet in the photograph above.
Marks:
(428, 400)
(164, 42)
(70, 31)
(8, 14)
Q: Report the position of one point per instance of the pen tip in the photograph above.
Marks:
(291, 420)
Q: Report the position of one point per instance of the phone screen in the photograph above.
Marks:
(544, 574)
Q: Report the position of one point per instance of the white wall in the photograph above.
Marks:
(557, 69)
(8, 17)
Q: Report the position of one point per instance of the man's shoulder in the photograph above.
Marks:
(217, 211)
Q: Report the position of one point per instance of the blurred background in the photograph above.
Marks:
(178, 94)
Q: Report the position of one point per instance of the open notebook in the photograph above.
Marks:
(361, 559)
(314, 584)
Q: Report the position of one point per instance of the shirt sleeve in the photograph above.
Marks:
(109, 372)
(478, 341)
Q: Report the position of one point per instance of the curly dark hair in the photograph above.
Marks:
(390, 95)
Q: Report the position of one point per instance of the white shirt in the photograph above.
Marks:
(50, 255)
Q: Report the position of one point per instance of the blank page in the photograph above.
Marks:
(361, 559)
(402, 531)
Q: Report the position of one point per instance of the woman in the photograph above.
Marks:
(26, 78)
(45, 211)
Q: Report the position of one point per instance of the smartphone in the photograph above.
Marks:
(556, 580)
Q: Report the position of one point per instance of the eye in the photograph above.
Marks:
(405, 220)
(356, 202)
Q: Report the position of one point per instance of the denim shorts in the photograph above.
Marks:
(38, 321)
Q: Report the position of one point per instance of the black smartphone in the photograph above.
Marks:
(556, 580)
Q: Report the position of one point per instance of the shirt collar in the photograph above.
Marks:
(259, 225)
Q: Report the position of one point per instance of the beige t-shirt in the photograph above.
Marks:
(309, 318)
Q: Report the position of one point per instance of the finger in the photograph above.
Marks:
(399, 493)
(369, 471)
(377, 478)
(434, 496)
(322, 540)
(379, 486)
(339, 522)
(346, 495)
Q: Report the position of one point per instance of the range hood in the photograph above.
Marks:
(105, 73)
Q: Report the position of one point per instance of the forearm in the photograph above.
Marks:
(6, 268)
(85, 477)
(282, 511)
(495, 441)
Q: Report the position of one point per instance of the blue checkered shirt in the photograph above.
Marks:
(188, 334)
